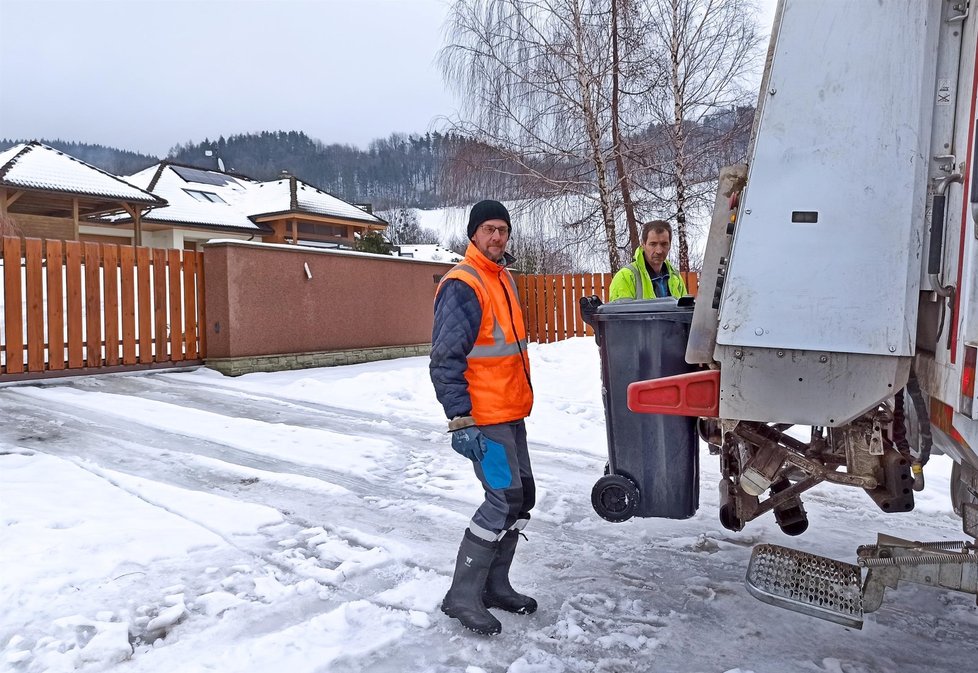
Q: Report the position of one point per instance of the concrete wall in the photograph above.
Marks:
(260, 302)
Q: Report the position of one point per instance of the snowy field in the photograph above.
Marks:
(308, 522)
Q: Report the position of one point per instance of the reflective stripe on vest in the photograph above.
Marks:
(499, 346)
(498, 373)
(639, 285)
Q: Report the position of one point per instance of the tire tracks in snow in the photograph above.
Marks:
(615, 582)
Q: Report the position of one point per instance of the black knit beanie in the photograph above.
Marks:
(484, 211)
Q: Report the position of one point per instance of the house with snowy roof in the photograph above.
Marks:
(49, 194)
(203, 204)
(45, 193)
(428, 252)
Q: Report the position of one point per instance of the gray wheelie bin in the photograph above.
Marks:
(653, 460)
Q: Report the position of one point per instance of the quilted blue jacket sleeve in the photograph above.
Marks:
(458, 315)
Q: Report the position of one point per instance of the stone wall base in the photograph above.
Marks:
(288, 361)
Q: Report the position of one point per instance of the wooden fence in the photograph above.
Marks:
(74, 307)
(551, 303)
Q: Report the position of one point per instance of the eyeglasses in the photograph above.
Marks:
(489, 230)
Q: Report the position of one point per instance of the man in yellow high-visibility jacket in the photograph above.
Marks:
(650, 275)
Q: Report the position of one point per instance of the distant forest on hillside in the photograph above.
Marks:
(428, 170)
(398, 171)
(111, 159)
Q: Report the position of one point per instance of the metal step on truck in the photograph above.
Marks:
(838, 295)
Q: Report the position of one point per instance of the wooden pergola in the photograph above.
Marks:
(53, 192)
(72, 205)
(286, 227)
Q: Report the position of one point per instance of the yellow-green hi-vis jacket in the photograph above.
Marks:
(623, 285)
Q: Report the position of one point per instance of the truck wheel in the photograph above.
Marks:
(960, 493)
(614, 497)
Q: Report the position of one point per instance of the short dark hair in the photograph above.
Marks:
(656, 225)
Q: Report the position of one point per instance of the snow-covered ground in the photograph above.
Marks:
(308, 521)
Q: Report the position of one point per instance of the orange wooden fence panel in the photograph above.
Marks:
(55, 301)
(13, 306)
(73, 278)
(35, 305)
(201, 313)
(127, 271)
(551, 303)
(102, 305)
(190, 305)
(159, 305)
(561, 332)
(93, 306)
(528, 297)
(176, 333)
(144, 309)
(110, 280)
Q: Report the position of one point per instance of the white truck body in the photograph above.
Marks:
(843, 274)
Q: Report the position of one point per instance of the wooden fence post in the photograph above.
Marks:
(12, 305)
(73, 283)
(93, 306)
(110, 280)
(35, 304)
(56, 314)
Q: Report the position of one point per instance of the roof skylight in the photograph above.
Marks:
(205, 196)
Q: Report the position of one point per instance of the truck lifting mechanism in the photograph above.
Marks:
(836, 331)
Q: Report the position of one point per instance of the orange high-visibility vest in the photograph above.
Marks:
(498, 371)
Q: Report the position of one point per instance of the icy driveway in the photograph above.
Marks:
(308, 521)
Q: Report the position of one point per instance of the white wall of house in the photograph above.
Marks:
(165, 238)
(181, 237)
(95, 230)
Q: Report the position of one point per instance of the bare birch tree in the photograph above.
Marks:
(621, 10)
(533, 79)
(707, 48)
(567, 90)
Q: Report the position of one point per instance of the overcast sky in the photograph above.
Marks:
(145, 75)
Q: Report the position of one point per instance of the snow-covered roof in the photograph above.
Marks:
(197, 197)
(431, 253)
(36, 166)
(214, 198)
(312, 200)
(277, 196)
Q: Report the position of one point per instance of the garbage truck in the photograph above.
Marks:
(836, 329)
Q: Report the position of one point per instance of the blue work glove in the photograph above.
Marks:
(467, 439)
(470, 442)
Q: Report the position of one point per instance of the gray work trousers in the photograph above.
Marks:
(507, 478)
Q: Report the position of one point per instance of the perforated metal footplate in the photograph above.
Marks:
(813, 585)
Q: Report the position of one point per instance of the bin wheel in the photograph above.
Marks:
(615, 498)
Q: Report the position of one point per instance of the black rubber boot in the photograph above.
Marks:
(464, 599)
(499, 593)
